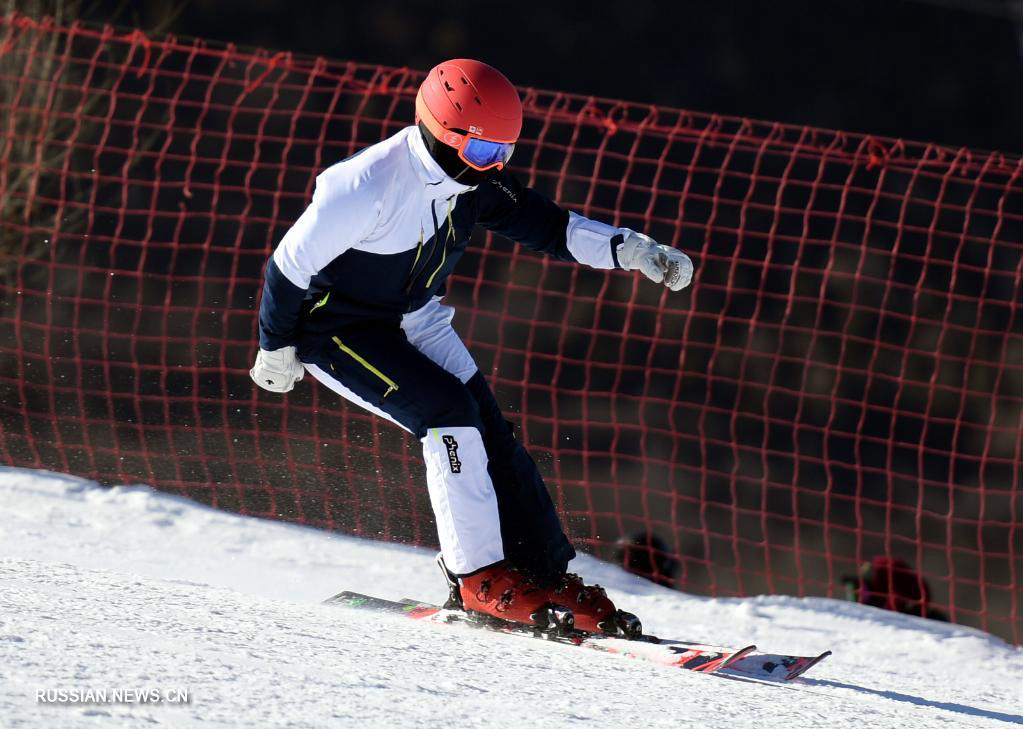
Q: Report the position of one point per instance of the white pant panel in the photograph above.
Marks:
(347, 394)
(429, 330)
(463, 498)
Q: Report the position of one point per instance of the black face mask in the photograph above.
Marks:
(449, 161)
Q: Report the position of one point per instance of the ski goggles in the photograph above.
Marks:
(480, 154)
(475, 151)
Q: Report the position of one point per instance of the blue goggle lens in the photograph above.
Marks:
(483, 152)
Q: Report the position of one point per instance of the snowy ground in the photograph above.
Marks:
(126, 588)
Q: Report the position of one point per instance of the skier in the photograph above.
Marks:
(352, 296)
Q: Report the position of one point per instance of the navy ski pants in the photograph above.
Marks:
(377, 363)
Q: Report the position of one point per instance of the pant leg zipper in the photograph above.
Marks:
(392, 386)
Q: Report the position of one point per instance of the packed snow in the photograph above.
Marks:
(130, 607)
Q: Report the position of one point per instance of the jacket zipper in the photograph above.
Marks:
(392, 386)
(415, 276)
(412, 273)
(444, 250)
(429, 256)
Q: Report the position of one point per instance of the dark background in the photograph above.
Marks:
(934, 70)
(774, 447)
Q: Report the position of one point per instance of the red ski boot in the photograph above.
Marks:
(593, 611)
(501, 591)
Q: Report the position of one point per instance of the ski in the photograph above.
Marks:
(745, 662)
(771, 667)
(676, 654)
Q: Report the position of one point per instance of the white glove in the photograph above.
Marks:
(658, 262)
(277, 371)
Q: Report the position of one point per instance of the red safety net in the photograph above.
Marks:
(835, 406)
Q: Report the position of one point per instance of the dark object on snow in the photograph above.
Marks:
(890, 583)
(645, 554)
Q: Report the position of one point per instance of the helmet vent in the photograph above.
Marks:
(459, 106)
(465, 81)
(478, 100)
(448, 86)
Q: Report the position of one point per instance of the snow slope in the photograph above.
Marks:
(126, 587)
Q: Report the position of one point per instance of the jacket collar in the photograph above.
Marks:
(438, 185)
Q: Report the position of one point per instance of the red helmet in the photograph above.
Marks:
(473, 108)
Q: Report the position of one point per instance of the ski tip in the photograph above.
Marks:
(800, 670)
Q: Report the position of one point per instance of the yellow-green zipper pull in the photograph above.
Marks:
(321, 302)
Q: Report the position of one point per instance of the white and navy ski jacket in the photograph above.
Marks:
(386, 227)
